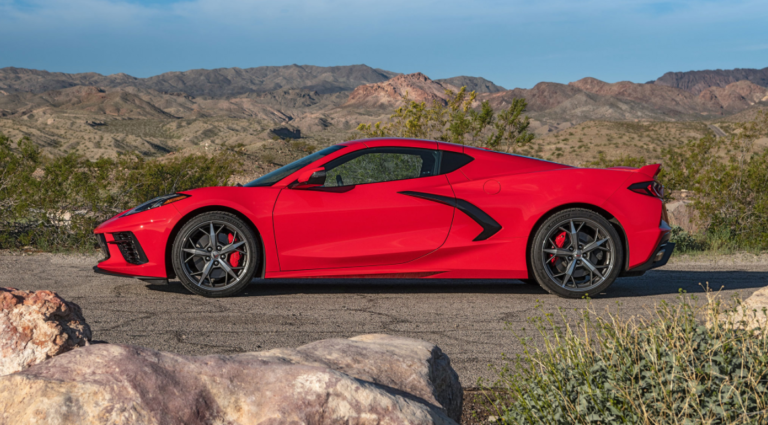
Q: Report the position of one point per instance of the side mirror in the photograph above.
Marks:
(311, 178)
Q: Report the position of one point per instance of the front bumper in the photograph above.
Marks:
(136, 245)
(148, 279)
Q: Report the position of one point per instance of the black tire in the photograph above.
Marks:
(562, 267)
(214, 270)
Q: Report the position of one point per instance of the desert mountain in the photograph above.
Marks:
(235, 81)
(417, 87)
(86, 100)
(713, 100)
(222, 82)
(674, 101)
(477, 84)
(131, 102)
(586, 99)
(698, 81)
(246, 109)
(562, 102)
(324, 93)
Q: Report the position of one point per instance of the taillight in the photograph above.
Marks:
(652, 188)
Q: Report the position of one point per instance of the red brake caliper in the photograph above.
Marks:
(559, 241)
(234, 258)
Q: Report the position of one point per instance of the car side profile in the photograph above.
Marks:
(400, 208)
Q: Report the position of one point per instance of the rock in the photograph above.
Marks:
(285, 132)
(370, 379)
(681, 213)
(35, 326)
(753, 311)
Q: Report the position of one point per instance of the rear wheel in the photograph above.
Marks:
(576, 252)
(215, 254)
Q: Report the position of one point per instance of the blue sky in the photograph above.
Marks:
(513, 43)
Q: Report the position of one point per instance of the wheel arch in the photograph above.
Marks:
(209, 208)
(594, 208)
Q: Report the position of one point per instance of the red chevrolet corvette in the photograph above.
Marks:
(400, 208)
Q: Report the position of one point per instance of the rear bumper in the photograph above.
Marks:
(659, 258)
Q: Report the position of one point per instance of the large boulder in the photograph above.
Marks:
(371, 379)
(683, 214)
(35, 326)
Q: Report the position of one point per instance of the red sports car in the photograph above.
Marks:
(400, 208)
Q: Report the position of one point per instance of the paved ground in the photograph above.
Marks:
(718, 132)
(465, 318)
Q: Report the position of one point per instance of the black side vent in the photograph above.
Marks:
(452, 161)
(103, 246)
(129, 247)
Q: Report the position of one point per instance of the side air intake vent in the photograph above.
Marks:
(103, 246)
(129, 247)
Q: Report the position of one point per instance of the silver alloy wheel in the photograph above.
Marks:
(207, 252)
(578, 254)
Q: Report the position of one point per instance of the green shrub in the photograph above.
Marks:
(456, 121)
(623, 161)
(303, 146)
(669, 369)
(268, 158)
(686, 242)
(55, 203)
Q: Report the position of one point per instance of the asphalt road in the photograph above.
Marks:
(467, 319)
(718, 132)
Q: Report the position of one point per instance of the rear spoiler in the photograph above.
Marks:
(649, 170)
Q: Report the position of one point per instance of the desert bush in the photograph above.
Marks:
(303, 146)
(140, 128)
(623, 161)
(458, 121)
(670, 368)
(686, 242)
(55, 203)
(268, 158)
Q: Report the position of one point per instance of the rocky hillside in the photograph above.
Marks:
(220, 82)
(732, 98)
(417, 87)
(477, 84)
(247, 109)
(698, 81)
(586, 99)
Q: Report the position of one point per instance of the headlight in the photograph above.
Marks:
(156, 202)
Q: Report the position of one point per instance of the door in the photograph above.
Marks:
(359, 217)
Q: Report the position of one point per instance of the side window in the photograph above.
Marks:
(377, 165)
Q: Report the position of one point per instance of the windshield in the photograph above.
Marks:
(271, 178)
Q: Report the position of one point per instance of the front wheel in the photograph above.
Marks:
(215, 254)
(576, 252)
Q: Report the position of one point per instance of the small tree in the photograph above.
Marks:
(457, 120)
(511, 128)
